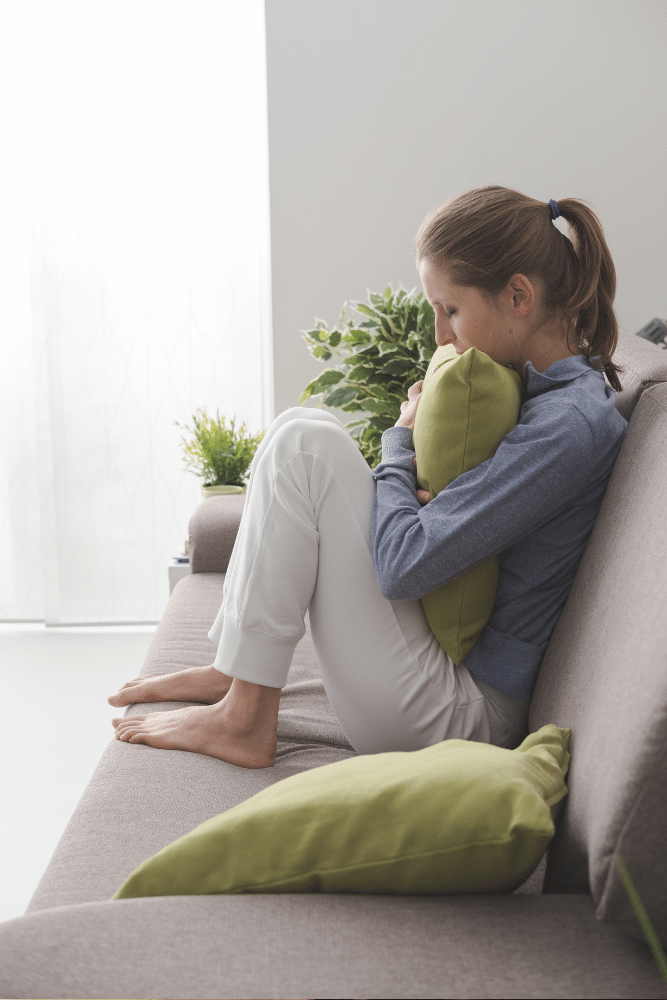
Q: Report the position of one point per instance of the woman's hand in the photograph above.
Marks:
(409, 407)
(407, 419)
(422, 495)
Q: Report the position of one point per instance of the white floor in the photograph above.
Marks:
(55, 724)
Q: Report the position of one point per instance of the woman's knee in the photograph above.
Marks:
(306, 413)
(324, 437)
(334, 449)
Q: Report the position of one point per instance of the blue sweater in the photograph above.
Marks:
(533, 504)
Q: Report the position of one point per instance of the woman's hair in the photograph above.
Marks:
(485, 236)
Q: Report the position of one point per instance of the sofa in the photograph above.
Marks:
(570, 931)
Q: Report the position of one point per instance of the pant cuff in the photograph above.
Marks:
(254, 656)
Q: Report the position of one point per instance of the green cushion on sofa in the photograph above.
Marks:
(468, 404)
(455, 817)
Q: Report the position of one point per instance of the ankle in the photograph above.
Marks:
(218, 682)
(252, 708)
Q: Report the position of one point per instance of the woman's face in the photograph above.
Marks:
(466, 318)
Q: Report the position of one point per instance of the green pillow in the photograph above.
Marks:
(468, 404)
(456, 817)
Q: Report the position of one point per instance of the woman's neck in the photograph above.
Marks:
(547, 345)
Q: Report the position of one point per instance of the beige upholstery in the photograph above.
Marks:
(212, 537)
(643, 365)
(605, 676)
(321, 946)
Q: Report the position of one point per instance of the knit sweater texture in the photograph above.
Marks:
(533, 505)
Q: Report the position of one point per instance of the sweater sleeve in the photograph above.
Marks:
(539, 469)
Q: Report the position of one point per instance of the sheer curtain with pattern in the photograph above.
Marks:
(134, 286)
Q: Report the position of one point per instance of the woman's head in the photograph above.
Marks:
(484, 238)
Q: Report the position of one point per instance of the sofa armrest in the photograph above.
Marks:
(212, 533)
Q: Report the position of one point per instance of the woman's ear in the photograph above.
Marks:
(521, 293)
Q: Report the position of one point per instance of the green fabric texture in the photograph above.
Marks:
(468, 403)
(452, 818)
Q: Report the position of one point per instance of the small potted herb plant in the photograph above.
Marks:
(382, 352)
(221, 455)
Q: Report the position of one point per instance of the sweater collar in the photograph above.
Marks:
(565, 370)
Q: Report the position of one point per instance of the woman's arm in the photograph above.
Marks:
(546, 463)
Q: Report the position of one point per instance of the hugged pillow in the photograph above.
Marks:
(455, 817)
(468, 403)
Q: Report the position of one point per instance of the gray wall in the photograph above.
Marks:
(379, 110)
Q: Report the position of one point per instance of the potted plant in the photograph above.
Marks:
(218, 453)
(382, 352)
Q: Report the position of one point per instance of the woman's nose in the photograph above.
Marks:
(443, 333)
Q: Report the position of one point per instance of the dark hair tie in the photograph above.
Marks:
(553, 207)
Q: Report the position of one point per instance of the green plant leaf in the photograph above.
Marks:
(357, 359)
(398, 366)
(383, 423)
(642, 916)
(381, 392)
(357, 336)
(329, 377)
(369, 351)
(367, 310)
(385, 345)
(354, 406)
(361, 373)
(392, 350)
(307, 392)
(337, 397)
(378, 406)
(220, 454)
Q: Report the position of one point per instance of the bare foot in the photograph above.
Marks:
(233, 730)
(194, 684)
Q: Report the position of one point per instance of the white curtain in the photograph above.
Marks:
(134, 286)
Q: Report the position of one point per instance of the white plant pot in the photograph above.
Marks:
(216, 491)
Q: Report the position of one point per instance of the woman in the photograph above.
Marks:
(357, 549)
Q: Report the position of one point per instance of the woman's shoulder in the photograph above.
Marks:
(569, 393)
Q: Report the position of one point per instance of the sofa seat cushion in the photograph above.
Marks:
(325, 946)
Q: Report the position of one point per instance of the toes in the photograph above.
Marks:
(131, 684)
(121, 723)
(121, 697)
(118, 700)
(127, 725)
(125, 734)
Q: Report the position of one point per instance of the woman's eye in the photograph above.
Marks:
(450, 312)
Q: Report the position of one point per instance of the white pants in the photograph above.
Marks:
(304, 544)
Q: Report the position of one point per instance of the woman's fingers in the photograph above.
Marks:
(422, 495)
(409, 406)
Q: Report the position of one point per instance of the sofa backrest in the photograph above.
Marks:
(605, 672)
(643, 365)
